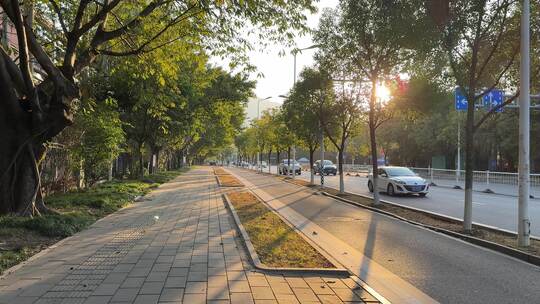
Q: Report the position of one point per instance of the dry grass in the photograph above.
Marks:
(277, 244)
(229, 181)
(220, 171)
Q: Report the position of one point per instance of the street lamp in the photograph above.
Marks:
(295, 52)
(524, 129)
(258, 145)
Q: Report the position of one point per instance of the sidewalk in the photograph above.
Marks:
(179, 245)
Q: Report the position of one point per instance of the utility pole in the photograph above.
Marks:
(524, 129)
(292, 139)
(321, 164)
(458, 167)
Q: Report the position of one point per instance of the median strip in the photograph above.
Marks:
(270, 241)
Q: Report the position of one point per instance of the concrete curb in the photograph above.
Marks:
(529, 258)
(282, 270)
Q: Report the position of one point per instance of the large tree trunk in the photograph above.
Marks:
(23, 136)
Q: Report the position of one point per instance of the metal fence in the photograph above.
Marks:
(486, 177)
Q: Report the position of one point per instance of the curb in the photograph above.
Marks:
(518, 254)
(224, 186)
(288, 270)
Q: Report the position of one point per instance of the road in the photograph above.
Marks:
(446, 269)
(489, 209)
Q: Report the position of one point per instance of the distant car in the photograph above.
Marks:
(212, 163)
(287, 167)
(244, 164)
(263, 164)
(399, 180)
(327, 167)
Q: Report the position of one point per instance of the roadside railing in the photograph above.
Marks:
(487, 177)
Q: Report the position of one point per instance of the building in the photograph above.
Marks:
(251, 108)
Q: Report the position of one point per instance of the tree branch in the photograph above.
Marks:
(24, 58)
(58, 12)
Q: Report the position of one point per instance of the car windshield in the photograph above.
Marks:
(327, 163)
(399, 172)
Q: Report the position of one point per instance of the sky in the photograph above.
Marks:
(278, 71)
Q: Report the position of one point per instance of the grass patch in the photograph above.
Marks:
(220, 171)
(22, 237)
(229, 181)
(277, 244)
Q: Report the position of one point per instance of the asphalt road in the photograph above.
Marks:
(447, 269)
(489, 209)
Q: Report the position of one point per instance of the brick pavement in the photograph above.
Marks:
(179, 245)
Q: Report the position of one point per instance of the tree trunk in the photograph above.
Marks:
(269, 163)
(141, 161)
(469, 163)
(340, 164)
(373, 142)
(312, 176)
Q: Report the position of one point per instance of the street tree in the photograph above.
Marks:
(366, 41)
(303, 109)
(480, 39)
(77, 34)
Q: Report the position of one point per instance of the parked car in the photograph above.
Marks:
(287, 166)
(399, 180)
(263, 164)
(327, 167)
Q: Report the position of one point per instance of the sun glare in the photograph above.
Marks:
(383, 93)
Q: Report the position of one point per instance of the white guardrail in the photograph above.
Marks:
(487, 177)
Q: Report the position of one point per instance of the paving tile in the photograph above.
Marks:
(125, 295)
(175, 282)
(132, 282)
(239, 286)
(262, 293)
(242, 298)
(305, 295)
(218, 293)
(106, 290)
(329, 299)
(195, 298)
(195, 287)
(152, 287)
(146, 299)
(171, 295)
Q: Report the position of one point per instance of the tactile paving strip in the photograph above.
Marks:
(83, 279)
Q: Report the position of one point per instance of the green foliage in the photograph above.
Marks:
(101, 137)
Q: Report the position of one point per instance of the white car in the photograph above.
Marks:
(399, 180)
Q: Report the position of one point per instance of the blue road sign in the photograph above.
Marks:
(460, 100)
(493, 98)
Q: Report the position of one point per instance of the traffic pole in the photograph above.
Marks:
(321, 164)
(524, 129)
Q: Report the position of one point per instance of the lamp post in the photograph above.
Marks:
(295, 52)
(258, 145)
(524, 129)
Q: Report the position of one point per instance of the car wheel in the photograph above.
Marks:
(422, 194)
(390, 190)
(335, 174)
(370, 186)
